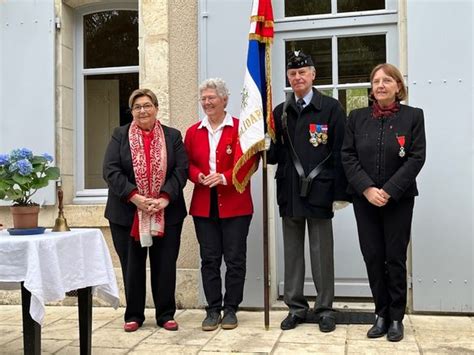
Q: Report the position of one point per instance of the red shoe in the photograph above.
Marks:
(171, 325)
(131, 326)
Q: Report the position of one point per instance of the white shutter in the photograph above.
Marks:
(27, 91)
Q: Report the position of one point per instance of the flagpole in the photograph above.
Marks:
(266, 281)
(256, 110)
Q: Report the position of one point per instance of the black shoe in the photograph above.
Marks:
(290, 322)
(230, 320)
(395, 331)
(212, 320)
(327, 323)
(379, 329)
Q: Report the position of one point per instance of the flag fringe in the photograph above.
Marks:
(268, 77)
(257, 18)
(254, 149)
(261, 39)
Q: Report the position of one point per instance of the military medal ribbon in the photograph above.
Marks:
(401, 142)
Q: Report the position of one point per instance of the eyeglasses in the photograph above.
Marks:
(146, 107)
(206, 98)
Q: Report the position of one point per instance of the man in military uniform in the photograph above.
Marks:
(311, 184)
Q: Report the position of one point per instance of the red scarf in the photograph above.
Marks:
(378, 111)
(149, 166)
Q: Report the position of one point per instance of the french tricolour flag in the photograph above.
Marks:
(256, 105)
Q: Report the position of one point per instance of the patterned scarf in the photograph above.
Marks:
(149, 182)
(378, 111)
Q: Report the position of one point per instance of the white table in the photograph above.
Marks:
(49, 265)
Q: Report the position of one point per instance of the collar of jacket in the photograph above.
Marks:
(316, 101)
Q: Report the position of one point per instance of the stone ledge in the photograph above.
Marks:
(187, 292)
(85, 215)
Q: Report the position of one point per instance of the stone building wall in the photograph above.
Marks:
(168, 61)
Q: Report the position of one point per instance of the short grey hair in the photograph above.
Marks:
(217, 84)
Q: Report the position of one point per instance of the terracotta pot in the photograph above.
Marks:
(25, 216)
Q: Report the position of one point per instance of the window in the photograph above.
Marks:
(354, 58)
(107, 72)
(346, 40)
(320, 7)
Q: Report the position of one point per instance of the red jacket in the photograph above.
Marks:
(230, 202)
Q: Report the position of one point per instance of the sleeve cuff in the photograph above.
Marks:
(393, 190)
(131, 194)
(165, 196)
(224, 180)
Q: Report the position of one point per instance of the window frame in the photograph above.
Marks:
(83, 195)
(279, 12)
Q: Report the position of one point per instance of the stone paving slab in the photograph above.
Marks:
(424, 334)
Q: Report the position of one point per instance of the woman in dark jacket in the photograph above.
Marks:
(383, 152)
(145, 167)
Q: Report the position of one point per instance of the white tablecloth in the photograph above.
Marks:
(53, 263)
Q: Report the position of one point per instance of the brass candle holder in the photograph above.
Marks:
(61, 223)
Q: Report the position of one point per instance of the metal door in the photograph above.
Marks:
(440, 78)
(223, 49)
(350, 273)
(223, 40)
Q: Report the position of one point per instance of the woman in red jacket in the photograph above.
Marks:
(221, 214)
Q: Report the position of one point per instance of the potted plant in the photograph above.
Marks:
(21, 174)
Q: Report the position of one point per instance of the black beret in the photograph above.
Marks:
(298, 59)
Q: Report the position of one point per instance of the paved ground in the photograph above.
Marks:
(423, 335)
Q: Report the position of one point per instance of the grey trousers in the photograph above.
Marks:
(321, 246)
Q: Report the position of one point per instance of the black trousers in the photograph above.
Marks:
(163, 255)
(321, 246)
(223, 237)
(384, 234)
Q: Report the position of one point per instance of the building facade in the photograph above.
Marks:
(66, 86)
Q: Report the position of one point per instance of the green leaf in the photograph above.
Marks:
(15, 194)
(52, 173)
(38, 159)
(39, 183)
(4, 185)
(37, 168)
(20, 179)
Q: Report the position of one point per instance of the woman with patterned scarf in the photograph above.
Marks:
(383, 152)
(146, 168)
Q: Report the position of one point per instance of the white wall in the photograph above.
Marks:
(440, 80)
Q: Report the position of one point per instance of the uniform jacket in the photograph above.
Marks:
(330, 185)
(230, 202)
(119, 175)
(370, 153)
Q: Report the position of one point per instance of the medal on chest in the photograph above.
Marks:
(313, 135)
(228, 148)
(322, 133)
(318, 134)
(401, 143)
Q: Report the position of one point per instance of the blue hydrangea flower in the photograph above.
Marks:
(4, 159)
(24, 167)
(19, 154)
(48, 157)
